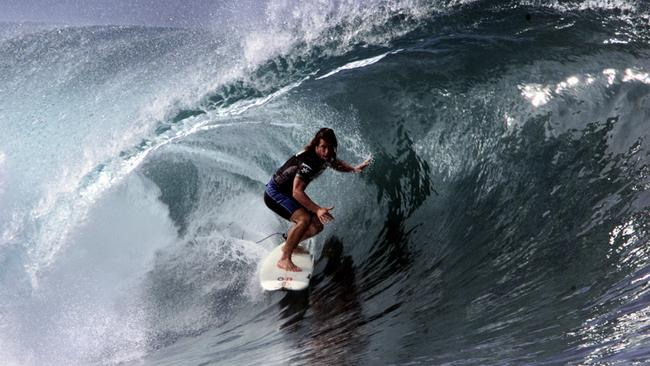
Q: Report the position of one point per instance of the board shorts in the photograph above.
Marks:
(279, 202)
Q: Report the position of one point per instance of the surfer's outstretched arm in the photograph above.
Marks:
(342, 166)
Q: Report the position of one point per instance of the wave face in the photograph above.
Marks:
(504, 219)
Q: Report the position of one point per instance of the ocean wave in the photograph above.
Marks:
(503, 218)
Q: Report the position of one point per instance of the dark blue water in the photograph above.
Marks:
(504, 220)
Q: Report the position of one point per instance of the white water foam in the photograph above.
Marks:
(88, 304)
(358, 64)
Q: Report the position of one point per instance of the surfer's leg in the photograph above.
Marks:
(301, 220)
(315, 227)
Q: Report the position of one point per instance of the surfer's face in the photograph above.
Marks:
(324, 150)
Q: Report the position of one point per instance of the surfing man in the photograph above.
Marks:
(285, 192)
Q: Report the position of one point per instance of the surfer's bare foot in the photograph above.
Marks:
(288, 265)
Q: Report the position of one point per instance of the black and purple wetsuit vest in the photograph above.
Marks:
(306, 164)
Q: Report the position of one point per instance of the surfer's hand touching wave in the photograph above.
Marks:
(324, 215)
(359, 168)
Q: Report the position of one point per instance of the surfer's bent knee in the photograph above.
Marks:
(301, 216)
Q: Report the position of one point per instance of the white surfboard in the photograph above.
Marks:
(274, 278)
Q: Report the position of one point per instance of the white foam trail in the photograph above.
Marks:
(240, 107)
(358, 64)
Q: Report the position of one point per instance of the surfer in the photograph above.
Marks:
(285, 192)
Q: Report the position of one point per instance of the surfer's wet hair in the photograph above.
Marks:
(326, 134)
